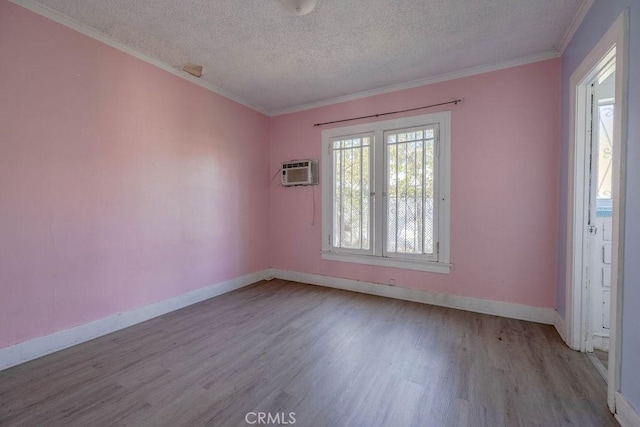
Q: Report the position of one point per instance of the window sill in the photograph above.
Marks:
(433, 267)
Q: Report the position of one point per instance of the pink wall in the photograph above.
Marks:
(120, 184)
(504, 186)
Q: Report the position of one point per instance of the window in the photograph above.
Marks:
(604, 170)
(386, 193)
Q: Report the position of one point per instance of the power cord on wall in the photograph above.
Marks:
(275, 174)
(313, 197)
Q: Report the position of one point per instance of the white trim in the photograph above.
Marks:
(617, 36)
(626, 415)
(41, 346)
(476, 305)
(600, 342)
(577, 155)
(621, 34)
(101, 37)
(558, 323)
(430, 266)
(575, 24)
(598, 365)
(468, 72)
(94, 34)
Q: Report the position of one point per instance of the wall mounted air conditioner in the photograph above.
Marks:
(300, 172)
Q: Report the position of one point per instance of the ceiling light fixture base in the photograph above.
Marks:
(299, 7)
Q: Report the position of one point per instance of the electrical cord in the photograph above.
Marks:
(276, 174)
(313, 197)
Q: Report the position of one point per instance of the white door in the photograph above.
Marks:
(601, 209)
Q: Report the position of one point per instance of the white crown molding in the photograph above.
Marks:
(91, 32)
(476, 305)
(626, 415)
(575, 24)
(421, 82)
(41, 346)
(94, 34)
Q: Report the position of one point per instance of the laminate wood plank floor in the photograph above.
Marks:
(332, 357)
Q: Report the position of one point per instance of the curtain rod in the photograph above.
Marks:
(392, 112)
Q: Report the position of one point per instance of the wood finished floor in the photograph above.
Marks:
(332, 357)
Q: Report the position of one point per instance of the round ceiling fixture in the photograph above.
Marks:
(300, 7)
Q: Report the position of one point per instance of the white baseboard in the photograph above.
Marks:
(38, 347)
(559, 324)
(496, 308)
(600, 342)
(625, 413)
(599, 366)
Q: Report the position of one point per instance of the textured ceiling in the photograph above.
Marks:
(270, 58)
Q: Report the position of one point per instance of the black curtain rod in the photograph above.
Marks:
(392, 112)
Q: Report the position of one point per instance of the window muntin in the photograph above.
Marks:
(411, 153)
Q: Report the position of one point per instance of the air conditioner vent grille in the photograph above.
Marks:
(300, 172)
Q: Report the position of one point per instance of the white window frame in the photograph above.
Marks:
(442, 165)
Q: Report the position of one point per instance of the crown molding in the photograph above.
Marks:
(575, 24)
(421, 82)
(94, 34)
(101, 37)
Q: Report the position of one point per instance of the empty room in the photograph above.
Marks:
(319, 213)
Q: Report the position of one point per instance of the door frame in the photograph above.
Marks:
(613, 43)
